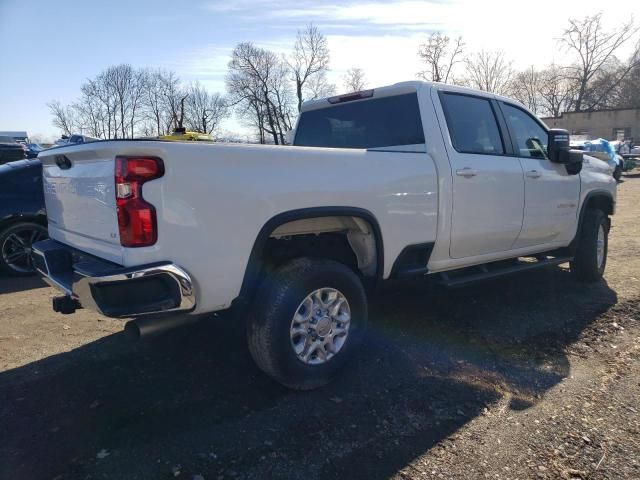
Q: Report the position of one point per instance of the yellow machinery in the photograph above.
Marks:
(183, 136)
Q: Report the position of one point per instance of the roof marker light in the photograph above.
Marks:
(351, 96)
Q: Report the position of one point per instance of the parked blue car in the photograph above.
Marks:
(23, 220)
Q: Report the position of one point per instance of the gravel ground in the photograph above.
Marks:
(532, 376)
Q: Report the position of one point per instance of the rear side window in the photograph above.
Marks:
(379, 122)
(472, 124)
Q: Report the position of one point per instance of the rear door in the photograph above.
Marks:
(551, 194)
(488, 185)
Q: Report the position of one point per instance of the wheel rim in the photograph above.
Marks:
(600, 243)
(16, 248)
(320, 326)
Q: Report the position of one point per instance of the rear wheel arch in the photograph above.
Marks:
(256, 267)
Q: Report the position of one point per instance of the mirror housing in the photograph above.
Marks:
(559, 145)
(559, 151)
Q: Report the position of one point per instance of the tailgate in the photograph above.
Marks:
(79, 187)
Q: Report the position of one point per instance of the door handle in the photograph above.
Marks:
(466, 172)
(533, 174)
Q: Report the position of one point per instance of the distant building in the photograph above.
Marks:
(613, 124)
(17, 136)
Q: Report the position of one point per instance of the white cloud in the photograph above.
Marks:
(385, 59)
(382, 38)
(526, 32)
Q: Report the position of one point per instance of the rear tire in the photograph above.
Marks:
(15, 247)
(307, 320)
(590, 258)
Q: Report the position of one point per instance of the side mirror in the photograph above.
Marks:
(559, 145)
(560, 151)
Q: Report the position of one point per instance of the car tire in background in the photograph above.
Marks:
(15, 247)
(590, 257)
(307, 320)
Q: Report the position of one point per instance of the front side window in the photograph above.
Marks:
(530, 138)
(472, 124)
(375, 123)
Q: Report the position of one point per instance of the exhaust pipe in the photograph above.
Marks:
(151, 326)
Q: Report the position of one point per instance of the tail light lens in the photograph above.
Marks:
(136, 217)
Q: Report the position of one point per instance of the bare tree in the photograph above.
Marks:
(63, 117)
(594, 48)
(440, 54)
(556, 91)
(204, 110)
(318, 86)
(91, 112)
(136, 99)
(280, 97)
(310, 59)
(173, 98)
(354, 80)
(124, 102)
(120, 78)
(160, 101)
(259, 90)
(488, 71)
(628, 92)
(526, 87)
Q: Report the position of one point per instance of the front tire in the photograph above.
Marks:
(307, 320)
(590, 258)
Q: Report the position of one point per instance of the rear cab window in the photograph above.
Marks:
(373, 123)
(472, 124)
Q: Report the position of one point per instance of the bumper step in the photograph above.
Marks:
(111, 289)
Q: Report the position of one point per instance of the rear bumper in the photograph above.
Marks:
(111, 289)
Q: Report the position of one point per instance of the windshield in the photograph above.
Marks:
(380, 122)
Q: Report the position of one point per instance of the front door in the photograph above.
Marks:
(488, 186)
(551, 194)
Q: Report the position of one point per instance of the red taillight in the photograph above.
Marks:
(136, 217)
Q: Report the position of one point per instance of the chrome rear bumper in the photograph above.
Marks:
(110, 289)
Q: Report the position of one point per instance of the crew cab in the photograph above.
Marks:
(403, 181)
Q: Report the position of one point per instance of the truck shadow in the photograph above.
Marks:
(193, 399)
(17, 284)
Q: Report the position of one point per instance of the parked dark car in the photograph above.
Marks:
(22, 215)
(10, 150)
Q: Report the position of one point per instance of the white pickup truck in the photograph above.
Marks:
(403, 181)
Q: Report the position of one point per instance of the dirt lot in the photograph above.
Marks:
(534, 376)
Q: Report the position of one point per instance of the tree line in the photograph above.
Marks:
(595, 79)
(125, 102)
(266, 89)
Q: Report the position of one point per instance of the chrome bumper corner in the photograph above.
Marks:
(110, 289)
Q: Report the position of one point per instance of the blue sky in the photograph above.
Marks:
(52, 46)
